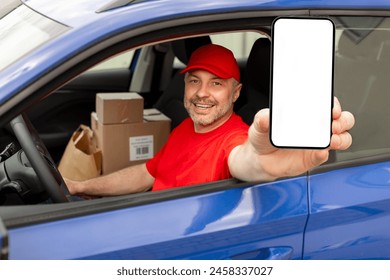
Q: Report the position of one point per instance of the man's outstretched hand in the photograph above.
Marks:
(258, 159)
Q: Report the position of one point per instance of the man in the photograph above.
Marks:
(214, 143)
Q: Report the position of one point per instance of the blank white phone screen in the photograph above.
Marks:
(302, 82)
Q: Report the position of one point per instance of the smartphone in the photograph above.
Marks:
(301, 97)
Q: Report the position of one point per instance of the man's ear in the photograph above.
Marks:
(237, 91)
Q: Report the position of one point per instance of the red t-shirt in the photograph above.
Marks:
(190, 158)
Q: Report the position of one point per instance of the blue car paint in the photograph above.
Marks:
(350, 213)
(232, 224)
(64, 11)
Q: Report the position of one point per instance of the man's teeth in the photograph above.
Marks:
(203, 106)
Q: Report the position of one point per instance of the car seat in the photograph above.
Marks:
(257, 77)
(171, 101)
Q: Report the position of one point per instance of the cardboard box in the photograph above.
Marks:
(119, 107)
(129, 144)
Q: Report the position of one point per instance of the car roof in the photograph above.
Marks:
(78, 12)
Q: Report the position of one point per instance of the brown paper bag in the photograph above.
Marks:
(82, 159)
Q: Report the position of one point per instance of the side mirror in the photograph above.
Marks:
(302, 82)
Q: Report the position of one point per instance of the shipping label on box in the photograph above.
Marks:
(141, 147)
(129, 144)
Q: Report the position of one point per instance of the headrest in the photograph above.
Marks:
(258, 65)
(185, 47)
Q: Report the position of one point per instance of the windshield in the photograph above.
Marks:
(22, 30)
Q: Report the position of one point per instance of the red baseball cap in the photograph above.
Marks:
(215, 59)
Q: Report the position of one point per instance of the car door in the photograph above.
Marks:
(349, 213)
(350, 196)
(260, 221)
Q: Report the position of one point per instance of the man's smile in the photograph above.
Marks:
(203, 106)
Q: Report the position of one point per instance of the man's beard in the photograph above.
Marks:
(207, 119)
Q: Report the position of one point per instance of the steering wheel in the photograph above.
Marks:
(40, 159)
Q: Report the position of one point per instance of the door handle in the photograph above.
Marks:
(269, 253)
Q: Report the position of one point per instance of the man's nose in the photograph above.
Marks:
(203, 90)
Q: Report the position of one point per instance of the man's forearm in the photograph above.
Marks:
(245, 165)
(133, 179)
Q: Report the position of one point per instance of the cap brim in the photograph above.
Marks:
(216, 72)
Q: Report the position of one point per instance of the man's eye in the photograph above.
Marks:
(193, 81)
(216, 84)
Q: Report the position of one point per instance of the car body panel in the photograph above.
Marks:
(349, 213)
(87, 10)
(262, 221)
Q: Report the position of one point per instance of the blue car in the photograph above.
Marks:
(57, 55)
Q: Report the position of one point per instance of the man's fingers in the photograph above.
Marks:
(262, 121)
(341, 141)
(345, 122)
(336, 111)
(342, 122)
